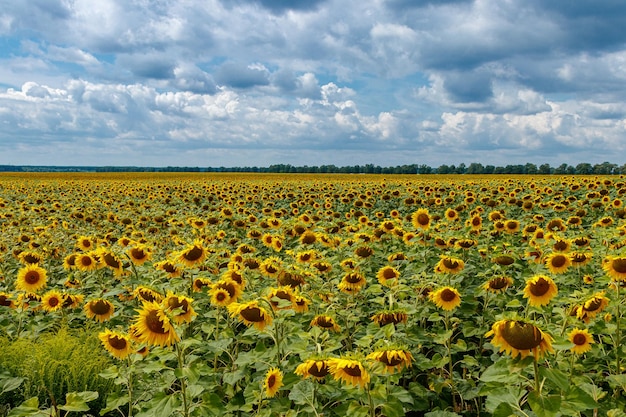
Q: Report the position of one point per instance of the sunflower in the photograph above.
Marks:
(28, 257)
(277, 244)
(306, 256)
(292, 279)
(393, 360)
(388, 276)
(517, 337)
(69, 262)
(193, 254)
(363, 251)
(273, 381)
(117, 344)
(475, 222)
(446, 298)
(325, 322)
(450, 265)
(301, 304)
(217, 289)
(86, 262)
(557, 262)
(251, 313)
(144, 293)
(352, 282)
(99, 309)
(139, 254)
(6, 301)
(153, 326)
(85, 243)
(179, 307)
(498, 285)
(200, 283)
(73, 300)
(31, 278)
(504, 260)
(615, 267)
(582, 340)
(350, 371)
(394, 317)
(281, 298)
(170, 268)
(313, 368)
(110, 260)
(271, 267)
(308, 237)
(511, 226)
(590, 308)
(539, 290)
(52, 301)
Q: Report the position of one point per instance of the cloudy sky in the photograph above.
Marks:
(312, 82)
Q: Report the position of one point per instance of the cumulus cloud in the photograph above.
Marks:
(402, 79)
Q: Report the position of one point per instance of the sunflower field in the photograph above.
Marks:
(312, 295)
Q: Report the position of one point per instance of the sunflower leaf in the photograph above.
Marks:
(544, 405)
(9, 384)
(77, 401)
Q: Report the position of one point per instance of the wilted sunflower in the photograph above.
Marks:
(517, 337)
(273, 381)
(171, 269)
(251, 313)
(392, 359)
(153, 326)
(31, 278)
(139, 254)
(281, 298)
(421, 219)
(615, 267)
(394, 317)
(557, 262)
(193, 254)
(582, 340)
(85, 262)
(449, 264)
(498, 285)
(179, 307)
(539, 290)
(99, 309)
(388, 276)
(325, 322)
(313, 368)
(590, 308)
(350, 371)
(117, 344)
(446, 298)
(352, 282)
(52, 301)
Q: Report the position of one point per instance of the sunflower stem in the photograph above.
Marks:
(536, 368)
(370, 401)
(183, 386)
(129, 385)
(618, 335)
(450, 363)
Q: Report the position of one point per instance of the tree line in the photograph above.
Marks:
(605, 168)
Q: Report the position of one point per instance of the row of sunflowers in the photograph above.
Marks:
(230, 295)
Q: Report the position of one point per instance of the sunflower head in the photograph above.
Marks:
(388, 276)
(325, 322)
(615, 267)
(517, 337)
(99, 309)
(449, 264)
(251, 314)
(539, 290)
(153, 326)
(394, 317)
(193, 254)
(446, 298)
(558, 262)
(313, 368)
(117, 344)
(581, 339)
(349, 371)
(272, 382)
(52, 301)
(31, 278)
(392, 359)
(498, 285)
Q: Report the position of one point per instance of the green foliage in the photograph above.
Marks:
(51, 366)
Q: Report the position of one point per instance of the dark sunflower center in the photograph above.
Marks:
(252, 314)
(560, 245)
(579, 339)
(364, 252)
(352, 370)
(53, 302)
(169, 268)
(4, 301)
(86, 261)
(325, 322)
(147, 295)
(389, 274)
(520, 335)
(138, 253)
(476, 221)
(111, 261)
(154, 323)
(579, 258)
(100, 307)
(271, 381)
(31, 259)
(619, 265)
(221, 296)
(353, 278)
(540, 287)
(229, 288)
(193, 254)
(319, 371)
(32, 277)
(498, 283)
(593, 304)
(558, 261)
(450, 263)
(175, 302)
(199, 284)
(504, 260)
(390, 360)
(271, 269)
(448, 295)
(118, 343)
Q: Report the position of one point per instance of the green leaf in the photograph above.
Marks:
(115, 401)
(500, 373)
(557, 377)
(9, 384)
(393, 408)
(617, 381)
(77, 401)
(110, 373)
(162, 405)
(544, 405)
(231, 378)
(357, 410)
(29, 407)
(615, 412)
(503, 410)
(578, 400)
(301, 392)
(400, 394)
(441, 413)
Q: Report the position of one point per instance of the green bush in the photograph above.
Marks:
(54, 364)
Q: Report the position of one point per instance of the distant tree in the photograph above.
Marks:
(584, 168)
(424, 169)
(475, 168)
(544, 169)
(604, 168)
(530, 169)
(443, 169)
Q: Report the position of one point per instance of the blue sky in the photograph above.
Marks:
(312, 82)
